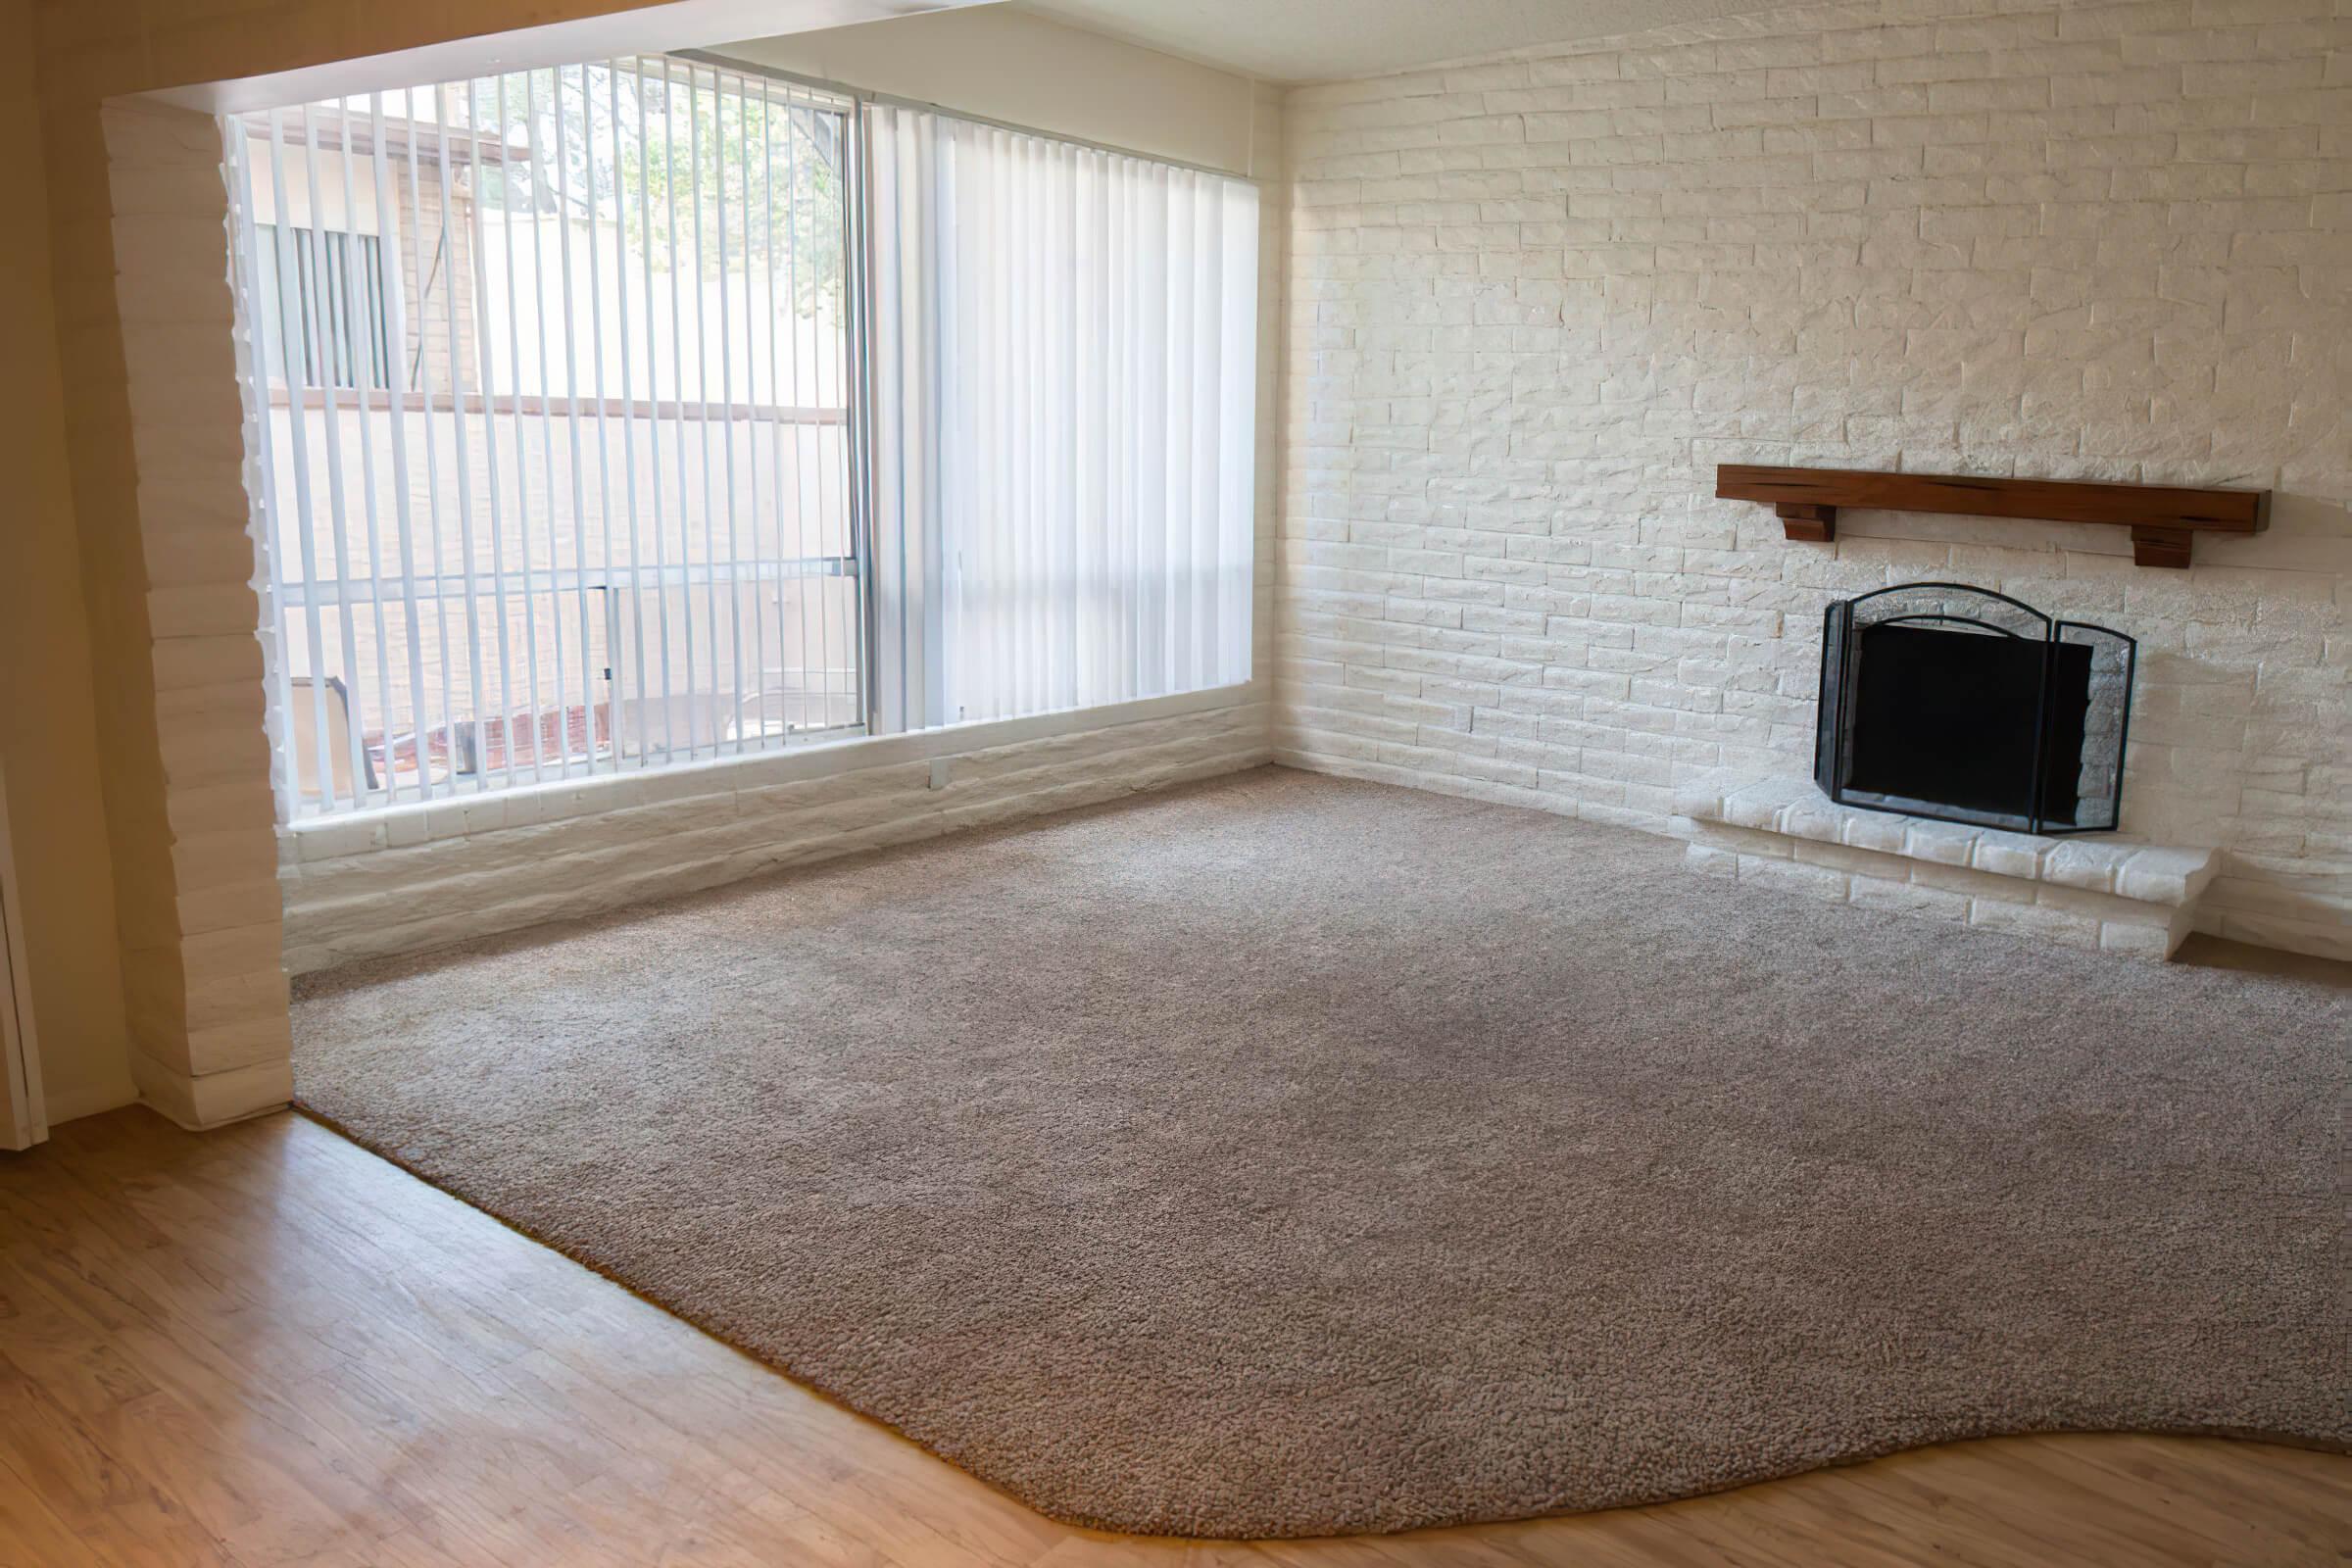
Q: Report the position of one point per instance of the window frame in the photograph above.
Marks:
(858, 564)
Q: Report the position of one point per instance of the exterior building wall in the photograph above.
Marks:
(438, 281)
(1533, 299)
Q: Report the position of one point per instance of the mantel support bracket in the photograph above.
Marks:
(1810, 523)
(2160, 547)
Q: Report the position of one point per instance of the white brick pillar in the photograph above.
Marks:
(207, 997)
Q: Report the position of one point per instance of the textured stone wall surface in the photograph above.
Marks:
(430, 877)
(1533, 299)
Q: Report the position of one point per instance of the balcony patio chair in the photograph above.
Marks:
(304, 711)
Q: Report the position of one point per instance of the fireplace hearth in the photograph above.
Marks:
(1943, 701)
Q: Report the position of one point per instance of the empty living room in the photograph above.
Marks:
(1107, 783)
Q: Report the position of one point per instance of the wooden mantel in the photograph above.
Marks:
(2163, 518)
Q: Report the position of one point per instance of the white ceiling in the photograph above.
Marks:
(1333, 40)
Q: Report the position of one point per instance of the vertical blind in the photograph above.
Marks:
(551, 374)
(632, 414)
(1065, 390)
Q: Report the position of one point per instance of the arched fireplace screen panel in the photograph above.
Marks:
(1943, 701)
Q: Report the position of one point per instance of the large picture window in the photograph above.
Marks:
(646, 413)
(1065, 376)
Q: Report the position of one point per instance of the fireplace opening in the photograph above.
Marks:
(1956, 703)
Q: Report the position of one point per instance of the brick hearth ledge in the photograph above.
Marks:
(2103, 892)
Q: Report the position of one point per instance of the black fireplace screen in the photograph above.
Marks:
(1943, 701)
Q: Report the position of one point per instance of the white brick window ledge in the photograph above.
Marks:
(2101, 892)
(469, 813)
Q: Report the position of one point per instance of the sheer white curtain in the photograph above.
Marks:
(1064, 388)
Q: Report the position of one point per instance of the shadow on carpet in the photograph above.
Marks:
(1287, 1156)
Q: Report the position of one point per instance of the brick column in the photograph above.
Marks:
(189, 784)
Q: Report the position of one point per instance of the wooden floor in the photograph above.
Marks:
(266, 1346)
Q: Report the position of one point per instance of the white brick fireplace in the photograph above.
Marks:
(1534, 300)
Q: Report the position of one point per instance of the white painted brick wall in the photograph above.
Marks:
(201, 933)
(426, 878)
(1533, 300)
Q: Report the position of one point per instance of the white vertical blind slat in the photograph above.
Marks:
(523, 509)
(628, 714)
(403, 514)
(459, 455)
(322, 308)
(425, 267)
(486, 379)
(1236, 403)
(572, 428)
(296, 371)
(371, 320)
(807, 460)
(608, 606)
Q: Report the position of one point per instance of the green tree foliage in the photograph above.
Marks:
(776, 166)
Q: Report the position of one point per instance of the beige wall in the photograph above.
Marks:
(48, 734)
(1007, 64)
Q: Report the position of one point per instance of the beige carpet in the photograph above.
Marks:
(1287, 1155)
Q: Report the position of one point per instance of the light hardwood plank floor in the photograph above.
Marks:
(264, 1346)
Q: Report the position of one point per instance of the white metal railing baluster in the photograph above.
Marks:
(677, 349)
(775, 396)
(808, 445)
(701, 381)
(751, 436)
(444, 538)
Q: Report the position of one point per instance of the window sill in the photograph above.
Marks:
(462, 816)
